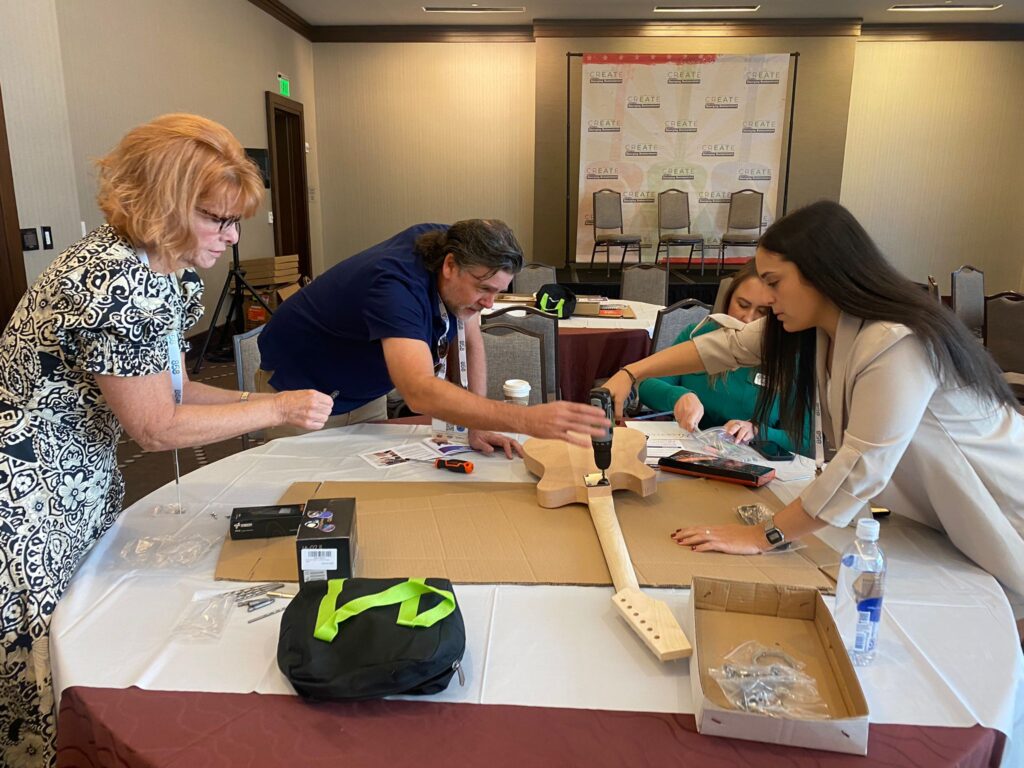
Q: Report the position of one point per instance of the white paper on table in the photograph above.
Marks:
(657, 447)
(439, 445)
(399, 454)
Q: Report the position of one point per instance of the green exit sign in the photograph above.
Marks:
(284, 85)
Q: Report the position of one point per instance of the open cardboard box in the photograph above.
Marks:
(725, 614)
(497, 533)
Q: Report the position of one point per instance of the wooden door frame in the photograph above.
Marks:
(276, 103)
(12, 261)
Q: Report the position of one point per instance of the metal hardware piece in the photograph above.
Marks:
(271, 613)
(255, 605)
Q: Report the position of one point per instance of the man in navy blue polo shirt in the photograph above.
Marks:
(386, 317)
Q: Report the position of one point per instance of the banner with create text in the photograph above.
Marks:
(706, 124)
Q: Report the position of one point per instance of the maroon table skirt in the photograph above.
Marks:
(131, 727)
(585, 354)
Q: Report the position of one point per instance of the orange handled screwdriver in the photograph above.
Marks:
(461, 466)
(455, 465)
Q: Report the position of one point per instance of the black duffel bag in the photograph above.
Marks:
(556, 299)
(364, 638)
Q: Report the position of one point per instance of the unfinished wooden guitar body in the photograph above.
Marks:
(562, 469)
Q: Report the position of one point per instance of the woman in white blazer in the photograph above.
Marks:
(918, 412)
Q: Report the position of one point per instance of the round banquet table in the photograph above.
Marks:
(553, 677)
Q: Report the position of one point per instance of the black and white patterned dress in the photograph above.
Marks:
(96, 310)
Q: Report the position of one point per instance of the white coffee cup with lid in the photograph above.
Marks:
(517, 392)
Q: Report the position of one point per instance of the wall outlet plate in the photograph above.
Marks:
(29, 239)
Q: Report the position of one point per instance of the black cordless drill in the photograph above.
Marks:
(602, 398)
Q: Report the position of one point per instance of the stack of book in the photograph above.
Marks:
(274, 270)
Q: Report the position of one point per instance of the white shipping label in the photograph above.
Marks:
(319, 559)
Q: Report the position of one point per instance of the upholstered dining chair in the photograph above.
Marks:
(674, 227)
(533, 276)
(968, 295)
(536, 321)
(671, 321)
(1004, 336)
(743, 229)
(608, 215)
(247, 362)
(645, 282)
(514, 353)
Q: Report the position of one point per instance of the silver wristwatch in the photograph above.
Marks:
(774, 535)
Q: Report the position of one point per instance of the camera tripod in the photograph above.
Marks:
(236, 276)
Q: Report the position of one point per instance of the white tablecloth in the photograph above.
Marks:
(949, 653)
(646, 315)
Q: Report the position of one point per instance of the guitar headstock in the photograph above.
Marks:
(562, 467)
(654, 622)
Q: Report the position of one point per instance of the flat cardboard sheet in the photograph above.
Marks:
(494, 533)
(594, 310)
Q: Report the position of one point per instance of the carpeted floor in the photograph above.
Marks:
(145, 472)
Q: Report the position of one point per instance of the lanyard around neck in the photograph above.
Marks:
(453, 432)
(819, 438)
(460, 329)
(173, 345)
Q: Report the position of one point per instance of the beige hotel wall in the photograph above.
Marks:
(935, 156)
(127, 61)
(423, 132)
(36, 115)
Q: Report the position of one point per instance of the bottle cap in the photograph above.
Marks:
(867, 529)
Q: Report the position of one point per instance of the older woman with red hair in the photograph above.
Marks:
(95, 346)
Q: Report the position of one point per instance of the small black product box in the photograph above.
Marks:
(716, 468)
(265, 522)
(326, 540)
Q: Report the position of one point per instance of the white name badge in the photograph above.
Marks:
(452, 433)
(759, 379)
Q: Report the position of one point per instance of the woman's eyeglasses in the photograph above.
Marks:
(223, 222)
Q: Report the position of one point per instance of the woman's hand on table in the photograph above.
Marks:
(731, 539)
(688, 411)
(741, 431)
(486, 442)
(303, 408)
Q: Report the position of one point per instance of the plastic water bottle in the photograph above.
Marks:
(859, 593)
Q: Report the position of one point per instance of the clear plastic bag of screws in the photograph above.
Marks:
(754, 514)
(166, 551)
(717, 442)
(205, 617)
(768, 681)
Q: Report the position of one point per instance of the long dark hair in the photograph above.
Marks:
(472, 243)
(836, 256)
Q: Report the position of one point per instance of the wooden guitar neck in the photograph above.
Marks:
(562, 469)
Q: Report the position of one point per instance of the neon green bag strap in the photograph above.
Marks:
(408, 593)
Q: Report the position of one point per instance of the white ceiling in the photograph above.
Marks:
(359, 12)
